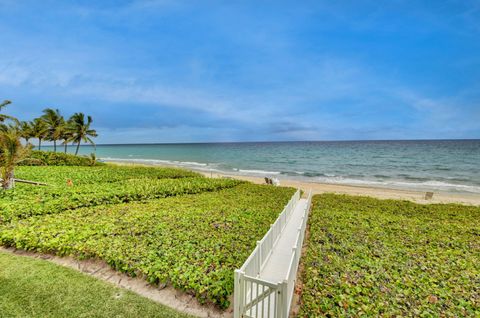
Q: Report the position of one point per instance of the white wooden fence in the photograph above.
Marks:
(255, 297)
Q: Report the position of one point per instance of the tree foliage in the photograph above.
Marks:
(12, 152)
(55, 124)
(52, 126)
(80, 130)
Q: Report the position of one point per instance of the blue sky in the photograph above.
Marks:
(189, 71)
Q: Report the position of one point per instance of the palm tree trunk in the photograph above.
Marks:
(39, 143)
(65, 146)
(54, 146)
(9, 181)
(78, 146)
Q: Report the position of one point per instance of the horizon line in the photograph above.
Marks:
(266, 141)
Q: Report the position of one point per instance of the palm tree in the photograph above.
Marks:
(80, 130)
(25, 129)
(39, 130)
(12, 152)
(4, 117)
(5, 103)
(54, 121)
(65, 133)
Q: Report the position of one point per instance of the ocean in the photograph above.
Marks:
(437, 165)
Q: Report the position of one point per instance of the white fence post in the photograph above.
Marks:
(283, 288)
(259, 249)
(238, 297)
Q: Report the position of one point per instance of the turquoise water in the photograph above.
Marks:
(427, 165)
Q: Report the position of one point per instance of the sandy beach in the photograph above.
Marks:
(318, 188)
(380, 193)
(376, 192)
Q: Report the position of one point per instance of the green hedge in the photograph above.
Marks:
(49, 158)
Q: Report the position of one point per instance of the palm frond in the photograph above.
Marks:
(12, 152)
(5, 103)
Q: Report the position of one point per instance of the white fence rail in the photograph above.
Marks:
(296, 254)
(254, 297)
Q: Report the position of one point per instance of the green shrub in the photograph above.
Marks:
(58, 200)
(73, 187)
(49, 158)
(187, 231)
(193, 242)
(369, 258)
(58, 175)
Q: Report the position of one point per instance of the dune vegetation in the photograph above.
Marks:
(74, 187)
(168, 225)
(370, 257)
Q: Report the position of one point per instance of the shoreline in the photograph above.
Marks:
(376, 192)
(318, 188)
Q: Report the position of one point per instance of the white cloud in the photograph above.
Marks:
(269, 87)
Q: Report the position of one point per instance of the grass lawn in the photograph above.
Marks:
(369, 257)
(37, 288)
